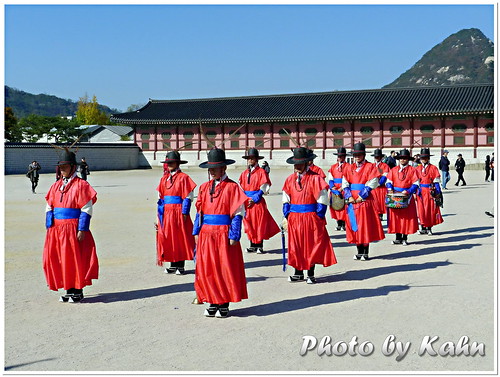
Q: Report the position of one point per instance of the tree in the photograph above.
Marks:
(12, 131)
(135, 107)
(88, 112)
(34, 127)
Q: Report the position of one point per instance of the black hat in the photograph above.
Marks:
(174, 156)
(253, 152)
(341, 152)
(404, 153)
(378, 153)
(359, 148)
(216, 159)
(67, 157)
(425, 152)
(301, 155)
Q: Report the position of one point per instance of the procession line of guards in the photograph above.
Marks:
(358, 194)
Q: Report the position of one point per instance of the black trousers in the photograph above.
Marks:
(179, 264)
(460, 177)
(310, 272)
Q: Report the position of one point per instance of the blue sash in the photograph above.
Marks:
(172, 199)
(303, 208)
(216, 219)
(401, 189)
(352, 217)
(337, 180)
(66, 213)
(357, 186)
(251, 193)
(425, 185)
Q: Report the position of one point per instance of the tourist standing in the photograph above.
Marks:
(444, 166)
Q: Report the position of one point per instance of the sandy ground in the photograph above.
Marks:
(136, 318)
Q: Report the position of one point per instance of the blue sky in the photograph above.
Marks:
(126, 54)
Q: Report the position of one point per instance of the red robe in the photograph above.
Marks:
(367, 220)
(258, 222)
(380, 192)
(67, 262)
(337, 172)
(317, 170)
(428, 213)
(174, 239)
(308, 239)
(220, 272)
(403, 220)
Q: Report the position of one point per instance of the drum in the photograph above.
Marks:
(337, 202)
(397, 200)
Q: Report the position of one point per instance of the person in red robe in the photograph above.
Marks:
(174, 237)
(315, 168)
(335, 174)
(305, 200)
(69, 254)
(363, 225)
(429, 213)
(380, 192)
(403, 179)
(220, 208)
(258, 222)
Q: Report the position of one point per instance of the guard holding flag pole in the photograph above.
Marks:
(363, 224)
(220, 272)
(335, 175)
(380, 192)
(258, 222)
(305, 199)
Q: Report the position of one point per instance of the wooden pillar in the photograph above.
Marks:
(443, 134)
(246, 135)
(135, 135)
(177, 140)
(381, 137)
(271, 147)
(352, 132)
(297, 133)
(324, 139)
(412, 134)
(156, 142)
(199, 142)
(222, 130)
(476, 135)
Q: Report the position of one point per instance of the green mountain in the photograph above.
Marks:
(466, 57)
(24, 104)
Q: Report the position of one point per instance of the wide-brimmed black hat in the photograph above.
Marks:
(300, 156)
(253, 153)
(216, 159)
(67, 157)
(341, 152)
(359, 148)
(378, 153)
(174, 156)
(404, 153)
(425, 152)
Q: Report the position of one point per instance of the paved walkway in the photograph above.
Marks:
(136, 318)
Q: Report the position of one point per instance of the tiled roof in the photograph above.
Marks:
(361, 104)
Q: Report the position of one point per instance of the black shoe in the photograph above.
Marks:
(364, 257)
(397, 242)
(295, 278)
(338, 228)
(76, 297)
(456, 184)
(251, 249)
(170, 270)
(357, 256)
(423, 231)
(210, 311)
(260, 250)
(222, 313)
(311, 280)
(489, 214)
(180, 271)
(465, 184)
(65, 298)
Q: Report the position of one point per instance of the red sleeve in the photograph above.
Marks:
(238, 197)
(85, 193)
(201, 194)
(187, 185)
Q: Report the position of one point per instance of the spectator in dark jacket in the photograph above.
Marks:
(444, 166)
(460, 167)
(487, 167)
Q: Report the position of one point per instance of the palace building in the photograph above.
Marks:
(459, 118)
